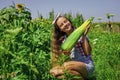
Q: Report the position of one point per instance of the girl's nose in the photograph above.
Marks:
(65, 24)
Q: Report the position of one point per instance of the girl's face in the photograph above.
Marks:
(64, 25)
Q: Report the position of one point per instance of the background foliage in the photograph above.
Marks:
(25, 46)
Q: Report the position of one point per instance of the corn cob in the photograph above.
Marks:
(75, 35)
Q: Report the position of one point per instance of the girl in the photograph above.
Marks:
(81, 63)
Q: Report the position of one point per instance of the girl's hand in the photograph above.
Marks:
(56, 71)
(64, 52)
(86, 31)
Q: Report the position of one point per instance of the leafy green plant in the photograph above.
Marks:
(25, 47)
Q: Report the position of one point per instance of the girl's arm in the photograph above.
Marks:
(85, 43)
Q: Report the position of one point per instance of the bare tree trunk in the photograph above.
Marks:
(109, 26)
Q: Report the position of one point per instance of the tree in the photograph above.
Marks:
(112, 15)
(109, 22)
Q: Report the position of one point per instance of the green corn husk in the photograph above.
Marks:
(75, 35)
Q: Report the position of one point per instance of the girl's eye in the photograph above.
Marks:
(61, 24)
(65, 21)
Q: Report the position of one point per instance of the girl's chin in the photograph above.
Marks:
(67, 30)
